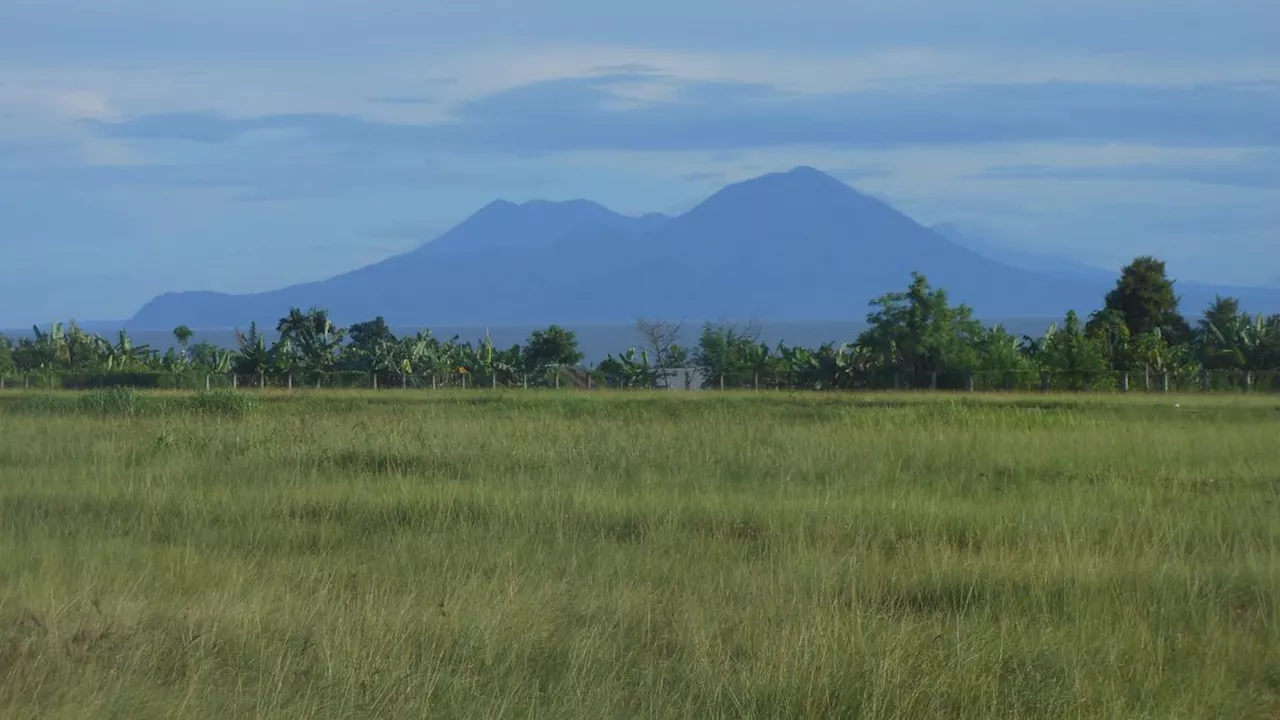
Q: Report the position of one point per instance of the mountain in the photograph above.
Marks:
(1035, 262)
(503, 225)
(789, 246)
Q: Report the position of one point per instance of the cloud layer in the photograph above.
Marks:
(583, 114)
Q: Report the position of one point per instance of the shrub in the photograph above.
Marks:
(227, 403)
(117, 401)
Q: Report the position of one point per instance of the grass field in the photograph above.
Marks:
(347, 555)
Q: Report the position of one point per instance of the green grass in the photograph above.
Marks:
(472, 555)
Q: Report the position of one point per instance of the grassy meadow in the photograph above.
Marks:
(596, 555)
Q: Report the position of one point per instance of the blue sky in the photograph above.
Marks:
(151, 145)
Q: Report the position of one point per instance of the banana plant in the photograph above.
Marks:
(631, 369)
(850, 365)
(800, 365)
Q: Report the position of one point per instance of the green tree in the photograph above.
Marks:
(253, 357)
(630, 369)
(1144, 296)
(183, 335)
(309, 342)
(7, 365)
(1074, 358)
(552, 347)
(373, 348)
(210, 357)
(1222, 335)
(1001, 358)
(918, 331)
(1108, 328)
(725, 352)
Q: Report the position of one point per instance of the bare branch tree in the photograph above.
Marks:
(660, 338)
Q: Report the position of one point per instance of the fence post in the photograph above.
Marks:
(968, 382)
(1164, 382)
(206, 382)
(722, 381)
(756, 381)
(525, 381)
(933, 379)
(493, 380)
(375, 380)
(588, 381)
(235, 381)
(262, 380)
(1204, 380)
(404, 381)
(1, 382)
(26, 382)
(433, 381)
(1146, 378)
(289, 381)
(1124, 382)
(1248, 381)
(557, 378)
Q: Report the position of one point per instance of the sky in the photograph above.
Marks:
(242, 145)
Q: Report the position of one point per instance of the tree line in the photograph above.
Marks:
(914, 338)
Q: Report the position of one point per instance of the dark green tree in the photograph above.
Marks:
(183, 335)
(373, 348)
(552, 347)
(1222, 334)
(1145, 298)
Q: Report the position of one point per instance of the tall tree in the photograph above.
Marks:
(1221, 335)
(918, 331)
(661, 338)
(1145, 298)
(374, 348)
(183, 335)
(253, 358)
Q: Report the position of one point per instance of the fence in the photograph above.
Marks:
(1237, 381)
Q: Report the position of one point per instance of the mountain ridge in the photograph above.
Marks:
(797, 245)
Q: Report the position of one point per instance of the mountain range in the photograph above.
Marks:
(788, 246)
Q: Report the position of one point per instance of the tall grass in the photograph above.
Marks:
(543, 555)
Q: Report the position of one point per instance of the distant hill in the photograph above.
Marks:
(790, 246)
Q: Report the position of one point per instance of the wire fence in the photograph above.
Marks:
(1146, 380)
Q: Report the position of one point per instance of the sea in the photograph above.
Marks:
(597, 342)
